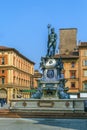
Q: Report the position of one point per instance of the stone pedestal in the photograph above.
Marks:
(57, 105)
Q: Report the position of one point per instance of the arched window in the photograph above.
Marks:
(3, 80)
(3, 60)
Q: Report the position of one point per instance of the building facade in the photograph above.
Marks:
(71, 72)
(83, 66)
(74, 58)
(37, 76)
(16, 74)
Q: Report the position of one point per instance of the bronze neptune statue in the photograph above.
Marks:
(51, 45)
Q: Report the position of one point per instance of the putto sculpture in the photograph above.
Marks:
(52, 83)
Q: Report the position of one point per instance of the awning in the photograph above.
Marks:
(29, 91)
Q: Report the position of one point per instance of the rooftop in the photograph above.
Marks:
(82, 44)
(68, 29)
(66, 56)
(4, 48)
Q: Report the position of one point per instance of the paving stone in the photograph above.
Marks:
(42, 124)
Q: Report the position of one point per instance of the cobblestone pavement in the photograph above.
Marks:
(42, 124)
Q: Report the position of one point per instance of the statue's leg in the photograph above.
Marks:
(54, 47)
(48, 52)
(53, 50)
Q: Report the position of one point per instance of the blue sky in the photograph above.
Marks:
(23, 23)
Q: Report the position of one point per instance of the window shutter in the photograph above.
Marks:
(85, 72)
(83, 62)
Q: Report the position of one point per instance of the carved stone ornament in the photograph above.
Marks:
(45, 104)
(67, 104)
(24, 104)
(51, 63)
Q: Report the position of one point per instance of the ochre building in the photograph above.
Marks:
(16, 74)
(37, 76)
(83, 66)
(74, 57)
(71, 72)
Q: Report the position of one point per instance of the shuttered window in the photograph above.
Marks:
(72, 84)
(84, 62)
(85, 53)
(3, 80)
(3, 61)
(85, 86)
(85, 72)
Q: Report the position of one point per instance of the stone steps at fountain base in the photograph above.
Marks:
(10, 114)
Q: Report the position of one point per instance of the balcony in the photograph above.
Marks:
(73, 77)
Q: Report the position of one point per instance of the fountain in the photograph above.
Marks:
(52, 83)
(52, 94)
